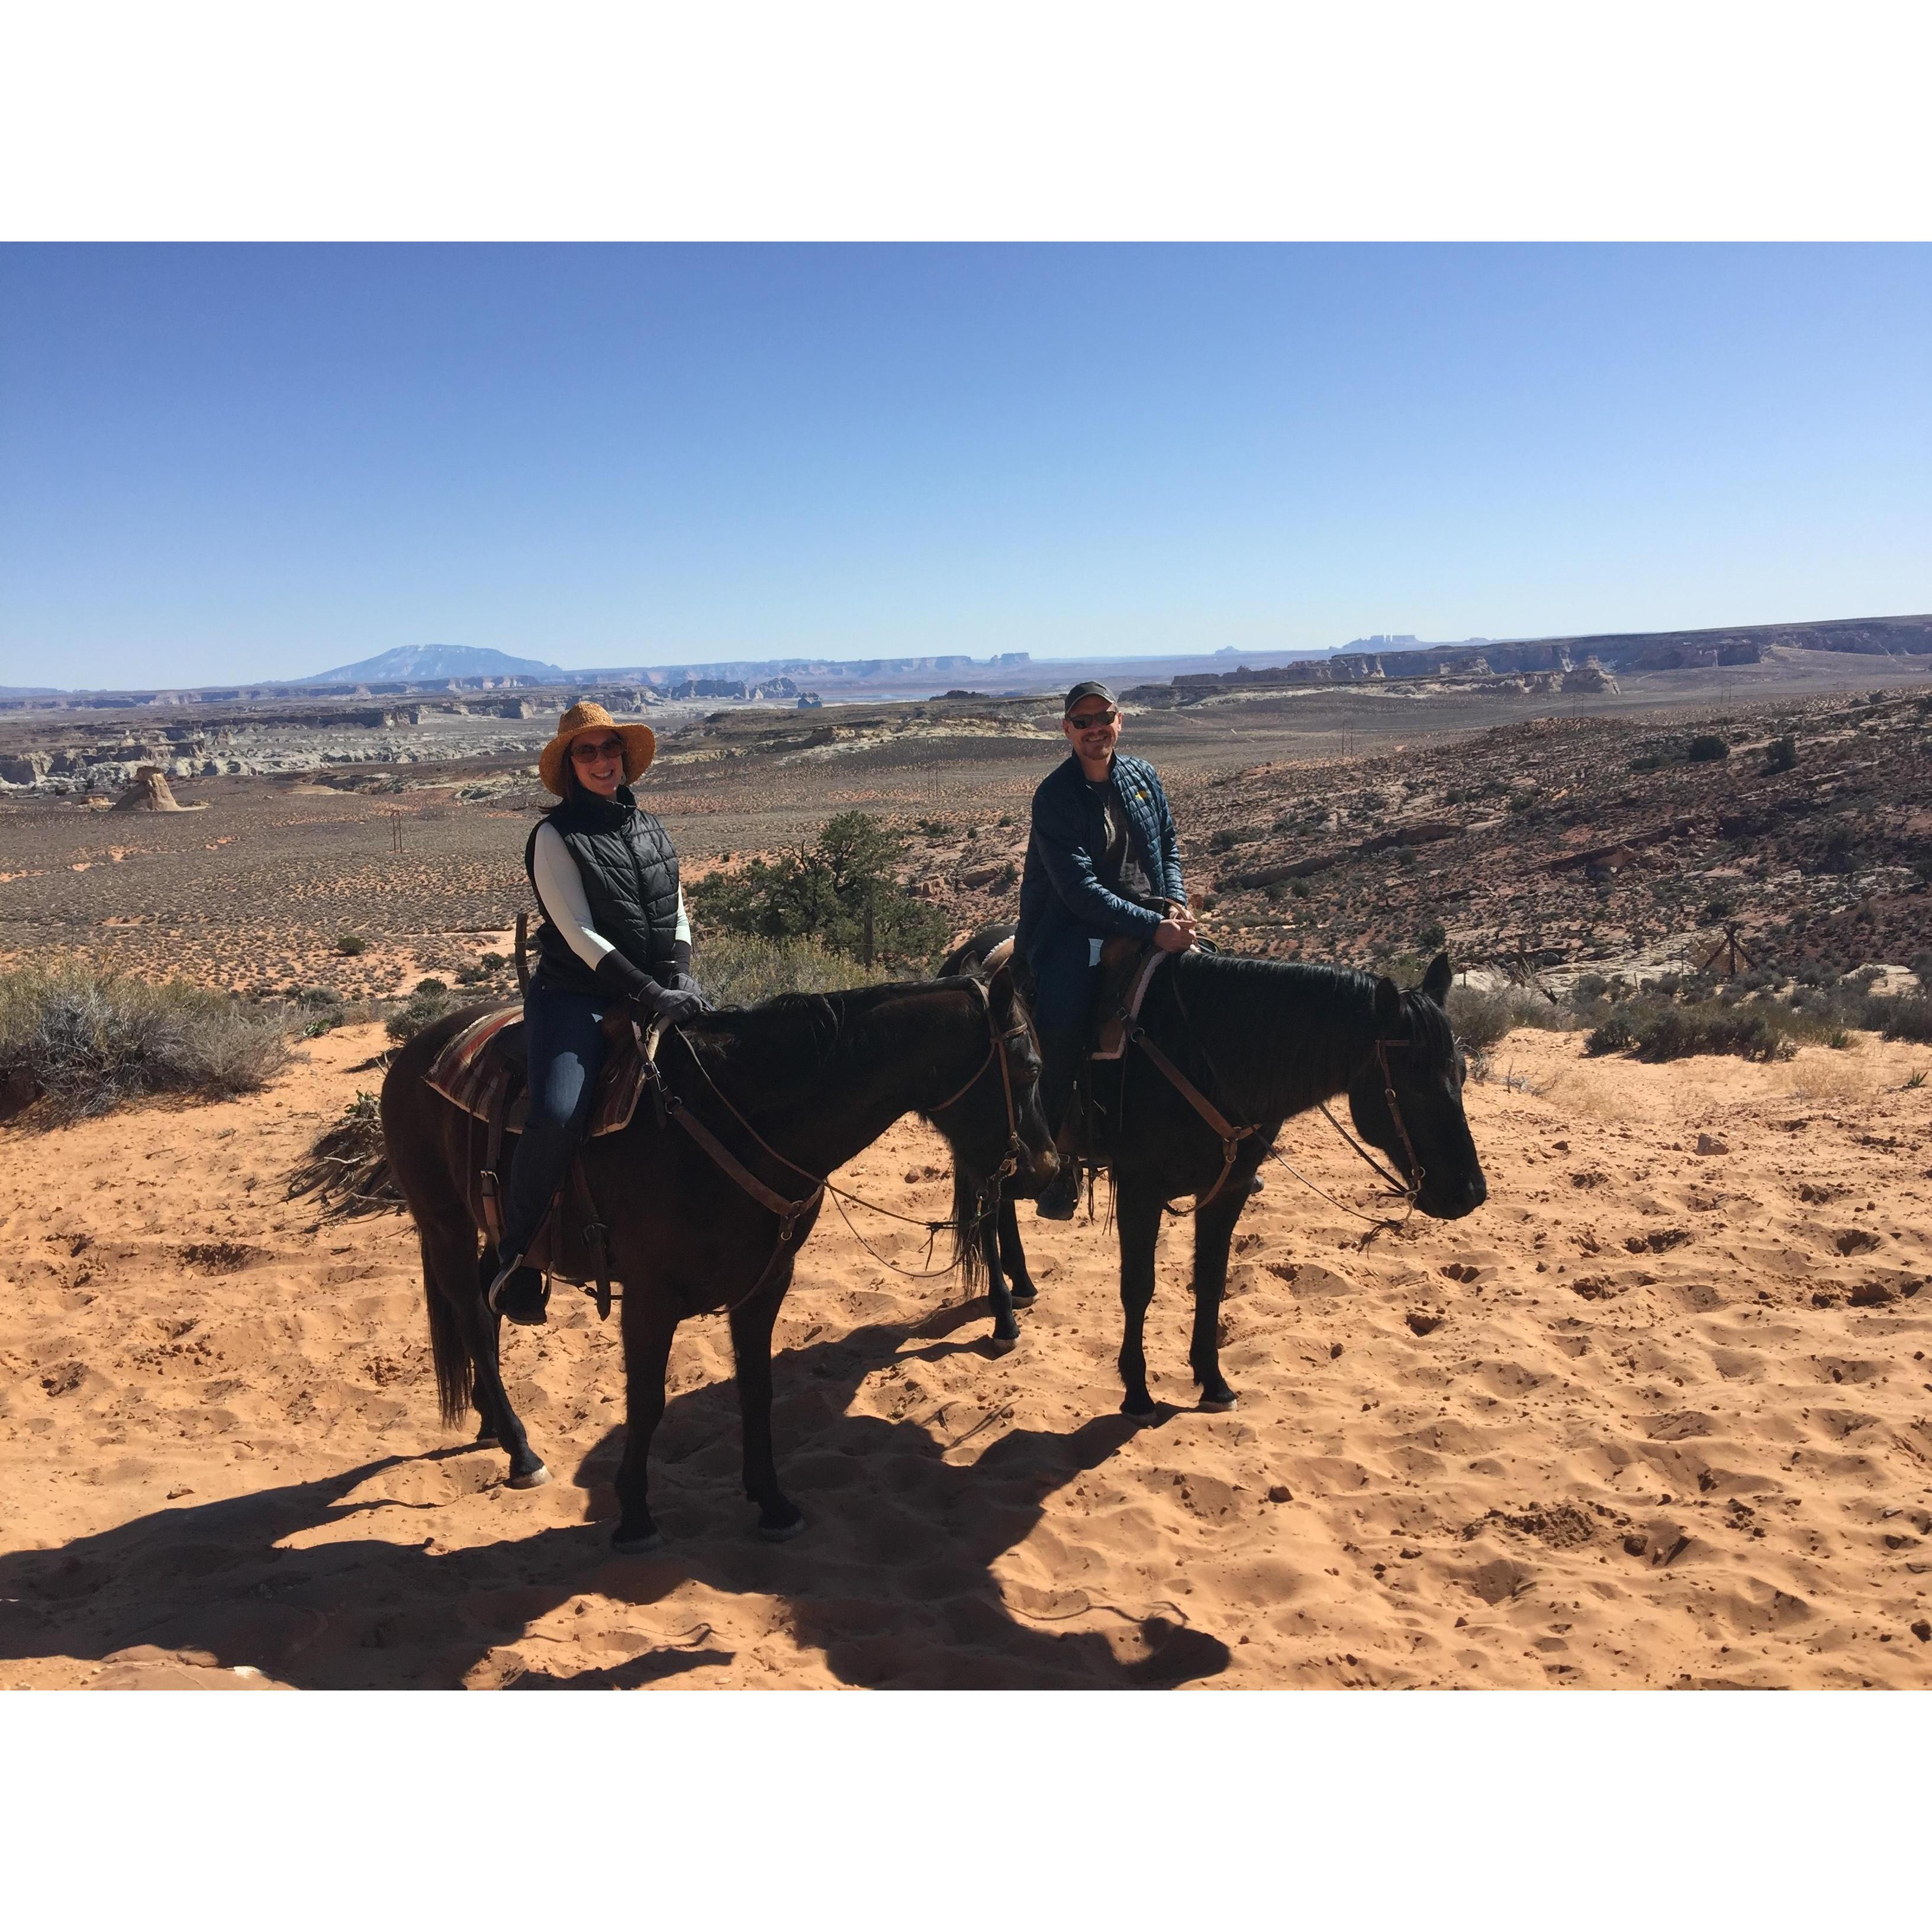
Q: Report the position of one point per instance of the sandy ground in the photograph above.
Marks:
(1652, 1417)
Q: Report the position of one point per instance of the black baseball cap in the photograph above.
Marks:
(1092, 688)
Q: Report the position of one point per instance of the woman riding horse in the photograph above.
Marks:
(614, 939)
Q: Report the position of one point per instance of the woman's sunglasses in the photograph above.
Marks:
(595, 755)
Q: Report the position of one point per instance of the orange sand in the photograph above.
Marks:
(1650, 1417)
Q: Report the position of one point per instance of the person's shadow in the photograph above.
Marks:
(893, 1582)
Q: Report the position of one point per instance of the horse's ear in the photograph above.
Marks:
(1436, 981)
(1388, 1005)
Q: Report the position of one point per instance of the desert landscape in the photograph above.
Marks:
(1660, 1414)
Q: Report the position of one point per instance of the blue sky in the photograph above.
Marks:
(227, 462)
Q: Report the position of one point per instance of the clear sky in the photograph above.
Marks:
(248, 462)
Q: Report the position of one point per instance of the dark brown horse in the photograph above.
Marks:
(1261, 1040)
(815, 1078)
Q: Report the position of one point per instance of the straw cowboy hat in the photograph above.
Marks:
(640, 744)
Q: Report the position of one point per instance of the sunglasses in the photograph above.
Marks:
(595, 755)
(1088, 721)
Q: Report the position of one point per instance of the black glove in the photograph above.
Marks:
(672, 1004)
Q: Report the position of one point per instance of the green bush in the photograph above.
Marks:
(1781, 755)
(89, 1042)
(822, 892)
(350, 944)
(1706, 749)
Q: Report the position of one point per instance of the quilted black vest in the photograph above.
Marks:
(630, 877)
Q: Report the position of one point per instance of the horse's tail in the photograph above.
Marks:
(455, 1372)
(967, 1255)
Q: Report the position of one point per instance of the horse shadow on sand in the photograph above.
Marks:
(893, 1581)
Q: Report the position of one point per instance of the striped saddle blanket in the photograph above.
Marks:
(484, 1067)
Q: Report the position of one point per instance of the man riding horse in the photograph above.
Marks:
(1102, 859)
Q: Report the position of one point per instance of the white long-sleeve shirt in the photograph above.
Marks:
(560, 892)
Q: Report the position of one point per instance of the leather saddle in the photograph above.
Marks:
(1127, 968)
(488, 1063)
(484, 1069)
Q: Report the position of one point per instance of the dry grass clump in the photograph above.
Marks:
(86, 1042)
(347, 1168)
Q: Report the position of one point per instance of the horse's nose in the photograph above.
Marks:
(1046, 1164)
(1478, 1190)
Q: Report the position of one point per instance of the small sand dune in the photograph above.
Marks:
(1652, 1417)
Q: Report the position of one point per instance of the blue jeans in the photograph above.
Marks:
(566, 1054)
(1063, 973)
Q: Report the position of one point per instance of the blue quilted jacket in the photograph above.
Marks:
(1060, 893)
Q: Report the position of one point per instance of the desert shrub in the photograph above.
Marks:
(350, 944)
(1781, 755)
(90, 1041)
(1656, 1029)
(1586, 989)
(423, 1007)
(821, 892)
(1613, 1033)
(1706, 748)
(743, 969)
(1229, 836)
(1910, 1018)
(1481, 1019)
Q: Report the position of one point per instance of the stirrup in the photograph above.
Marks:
(517, 1294)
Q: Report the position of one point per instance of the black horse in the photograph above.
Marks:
(1261, 1040)
(815, 1079)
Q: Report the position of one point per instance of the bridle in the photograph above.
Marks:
(1412, 1188)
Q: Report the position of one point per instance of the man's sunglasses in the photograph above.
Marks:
(1088, 721)
(595, 755)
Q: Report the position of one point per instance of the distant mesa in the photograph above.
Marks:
(416, 664)
(148, 791)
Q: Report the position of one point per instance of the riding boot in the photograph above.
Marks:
(516, 1291)
(541, 1160)
(1059, 1050)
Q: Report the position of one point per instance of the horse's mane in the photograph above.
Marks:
(1307, 1025)
(785, 1046)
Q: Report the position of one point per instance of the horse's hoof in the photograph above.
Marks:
(647, 1545)
(1024, 1298)
(1144, 1410)
(782, 1532)
(1003, 1345)
(1220, 1405)
(486, 1439)
(531, 1479)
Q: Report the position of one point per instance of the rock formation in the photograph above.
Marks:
(149, 792)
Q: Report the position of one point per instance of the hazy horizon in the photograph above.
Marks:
(222, 464)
